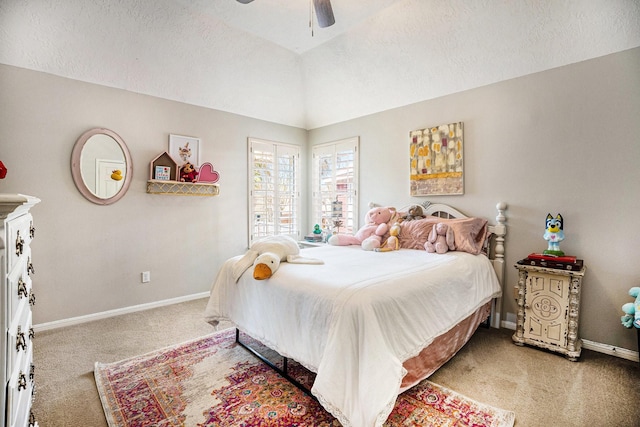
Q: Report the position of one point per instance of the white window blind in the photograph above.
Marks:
(274, 180)
(335, 185)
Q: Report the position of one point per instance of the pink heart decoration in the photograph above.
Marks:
(207, 174)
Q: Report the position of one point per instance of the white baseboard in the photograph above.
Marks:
(110, 313)
(611, 350)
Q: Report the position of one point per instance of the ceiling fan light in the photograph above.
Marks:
(324, 12)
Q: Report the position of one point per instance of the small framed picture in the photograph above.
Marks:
(163, 173)
(184, 149)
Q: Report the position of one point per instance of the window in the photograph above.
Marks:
(335, 185)
(274, 193)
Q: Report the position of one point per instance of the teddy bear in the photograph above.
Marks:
(440, 239)
(632, 310)
(188, 173)
(414, 212)
(369, 236)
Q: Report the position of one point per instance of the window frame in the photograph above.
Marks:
(274, 226)
(320, 210)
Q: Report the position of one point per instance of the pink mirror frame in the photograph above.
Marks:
(77, 173)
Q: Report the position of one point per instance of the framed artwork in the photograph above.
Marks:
(436, 160)
(184, 149)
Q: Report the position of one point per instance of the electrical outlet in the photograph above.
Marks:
(146, 276)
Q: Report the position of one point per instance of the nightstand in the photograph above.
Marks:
(549, 309)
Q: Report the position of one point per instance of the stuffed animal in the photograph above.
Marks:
(414, 212)
(632, 310)
(554, 235)
(266, 255)
(392, 243)
(370, 235)
(440, 239)
(188, 173)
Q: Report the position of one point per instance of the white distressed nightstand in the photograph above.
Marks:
(549, 309)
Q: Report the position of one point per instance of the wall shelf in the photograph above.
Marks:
(182, 188)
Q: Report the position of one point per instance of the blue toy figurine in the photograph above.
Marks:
(554, 235)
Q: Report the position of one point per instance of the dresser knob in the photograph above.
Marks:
(32, 420)
(30, 269)
(32, 299)
(22, 288)
(19, 244)
(32, 334)
(32, 372)
(22, 382)
(32, 230)
(21, 343)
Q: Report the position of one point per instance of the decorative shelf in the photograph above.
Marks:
(155, 186)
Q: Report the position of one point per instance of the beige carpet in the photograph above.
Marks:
(543, 389)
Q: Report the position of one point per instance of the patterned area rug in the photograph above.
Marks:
(211, 381)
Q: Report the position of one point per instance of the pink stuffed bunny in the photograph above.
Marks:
(370, 235)
(440, 239)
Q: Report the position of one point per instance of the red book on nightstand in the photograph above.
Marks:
(566, 262)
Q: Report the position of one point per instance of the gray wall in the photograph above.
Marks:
(563, 140)
(88, 258)
(560, 141)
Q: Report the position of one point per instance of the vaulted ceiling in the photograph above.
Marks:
(263, 60)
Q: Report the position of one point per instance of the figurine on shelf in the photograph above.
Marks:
(316, 229)
(188, 173)
(554, 235)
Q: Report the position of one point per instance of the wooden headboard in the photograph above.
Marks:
(495, 245)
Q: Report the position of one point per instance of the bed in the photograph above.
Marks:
(371, 324)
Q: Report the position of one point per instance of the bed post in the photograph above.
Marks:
(500, 230)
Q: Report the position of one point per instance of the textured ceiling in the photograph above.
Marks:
(287, 22)
(260, 60)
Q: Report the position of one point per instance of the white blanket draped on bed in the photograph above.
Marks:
(355, 319)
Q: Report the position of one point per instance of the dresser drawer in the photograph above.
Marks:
(20, 392)
(20, 338)
(19, 289)
(20, 232)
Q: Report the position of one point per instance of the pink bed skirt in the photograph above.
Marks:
(442, 348)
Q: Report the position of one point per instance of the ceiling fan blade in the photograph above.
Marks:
(324, 12)
(245, 1)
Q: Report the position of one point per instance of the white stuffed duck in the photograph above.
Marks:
(267, 254)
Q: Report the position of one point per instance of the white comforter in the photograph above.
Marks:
(355, 319)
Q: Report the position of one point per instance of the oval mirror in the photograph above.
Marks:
(101, 166)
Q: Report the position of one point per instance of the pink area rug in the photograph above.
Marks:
(211, 381)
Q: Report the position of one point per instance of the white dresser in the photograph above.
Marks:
(18, 298)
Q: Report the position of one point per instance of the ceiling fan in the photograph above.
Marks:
(323, 10)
